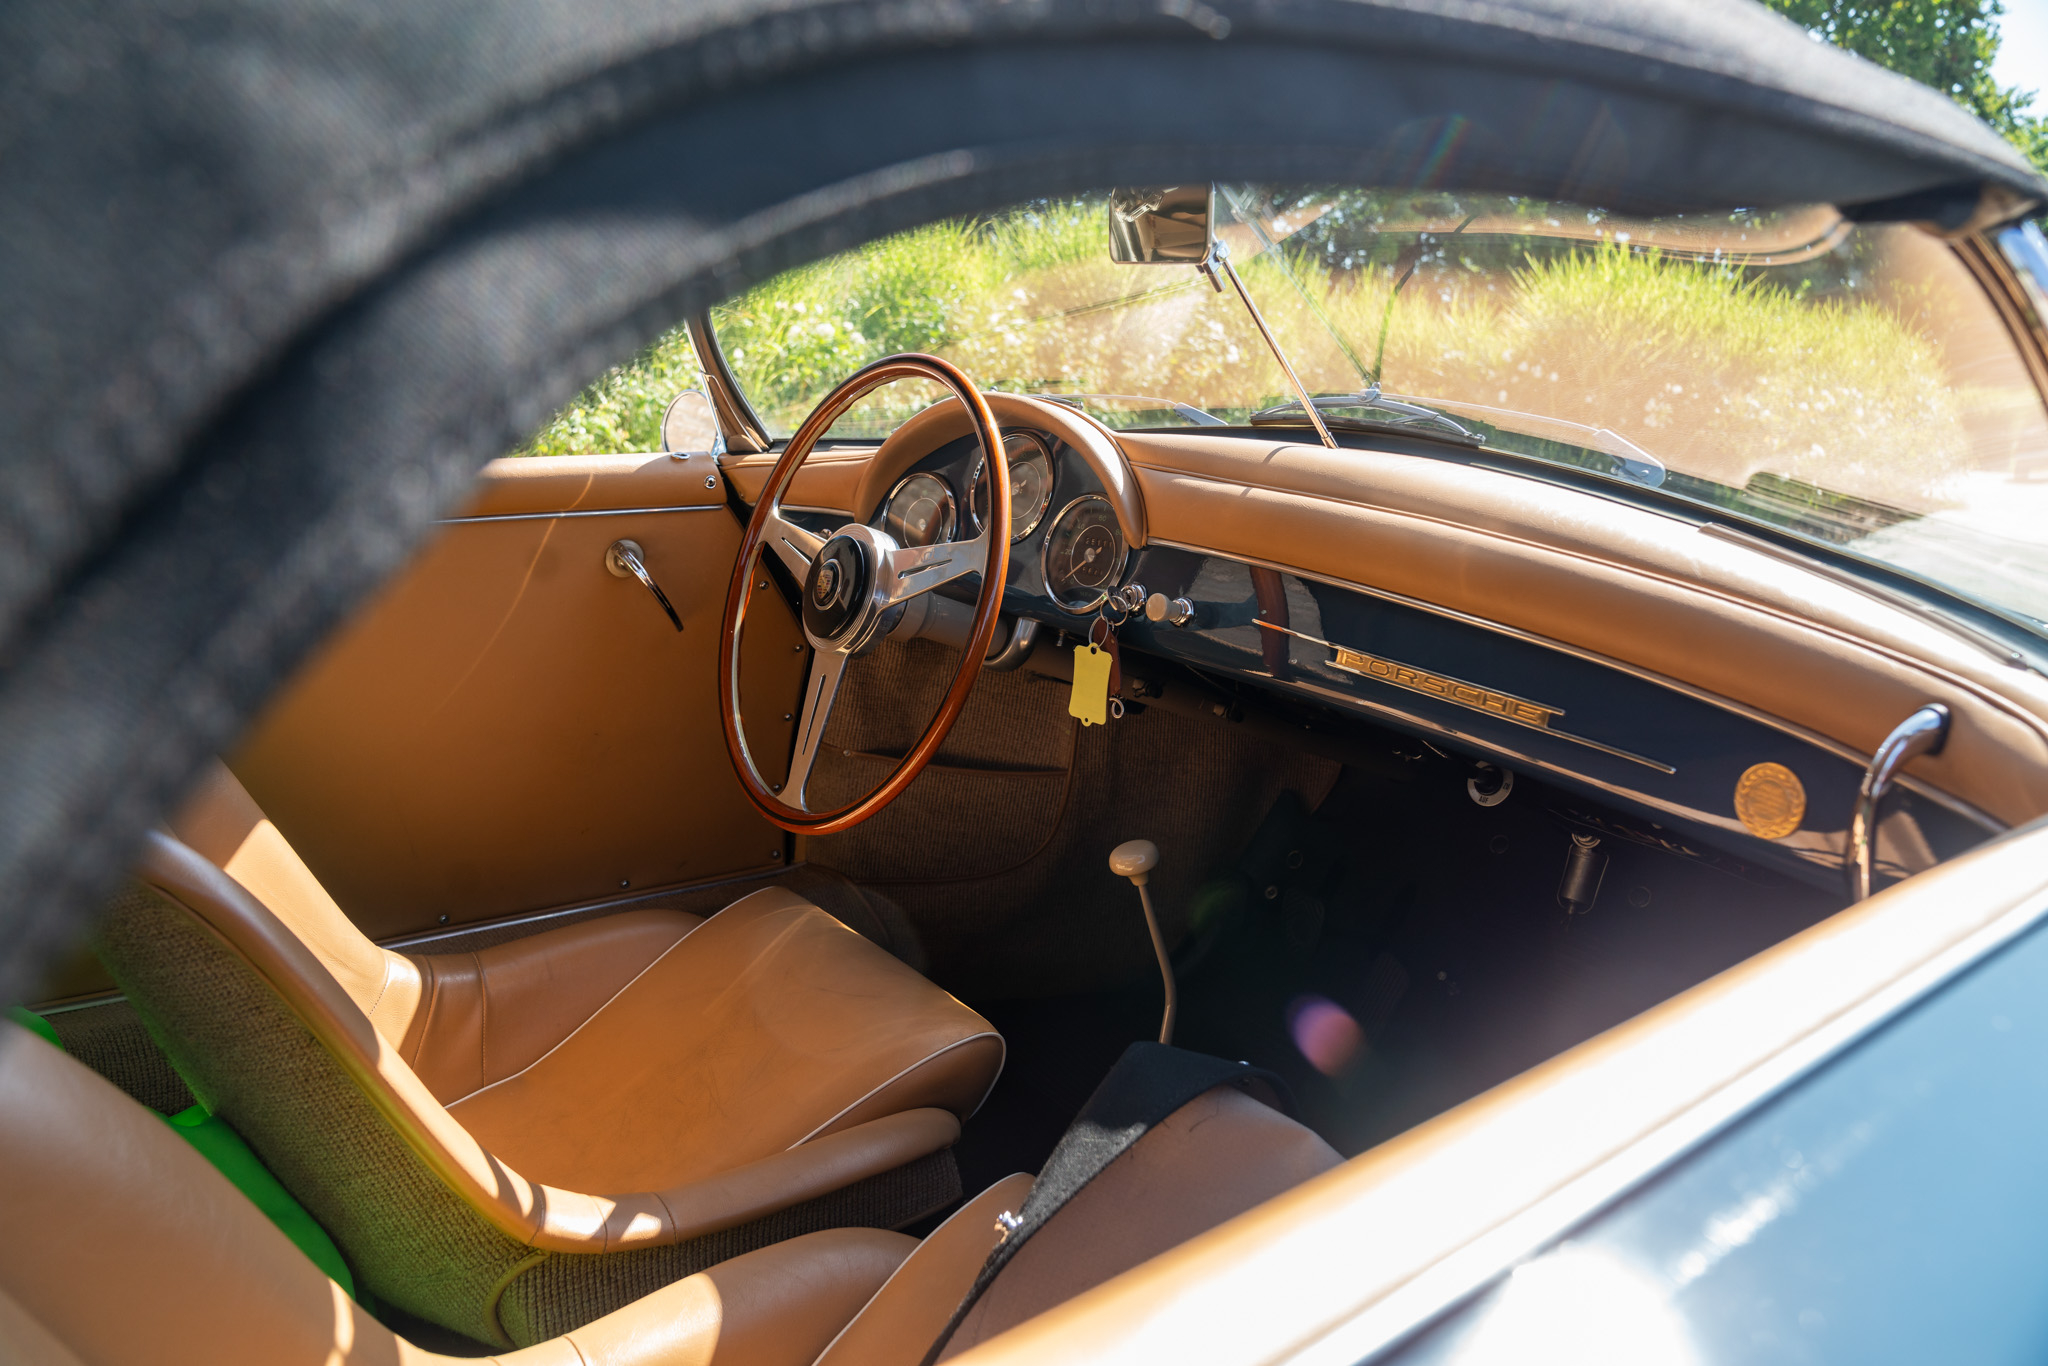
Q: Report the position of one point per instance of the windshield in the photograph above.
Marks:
(1848, 383)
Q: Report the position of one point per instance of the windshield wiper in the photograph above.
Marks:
(1632, 462)
(1185, 410)
(1397, 415)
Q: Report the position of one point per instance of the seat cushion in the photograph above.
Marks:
(487, 1015)
(766, 1025)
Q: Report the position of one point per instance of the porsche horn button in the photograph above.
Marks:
(836, 588)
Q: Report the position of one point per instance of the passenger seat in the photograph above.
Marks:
(514, 1142)
(126, 1248)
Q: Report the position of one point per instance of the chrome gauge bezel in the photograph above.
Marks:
(1042, 451)
(1045, 551)
(951, 505)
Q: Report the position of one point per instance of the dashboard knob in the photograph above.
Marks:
(1174, 611)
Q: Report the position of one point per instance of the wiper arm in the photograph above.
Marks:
(1399, 414)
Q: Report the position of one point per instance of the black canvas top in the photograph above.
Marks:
(277, 275)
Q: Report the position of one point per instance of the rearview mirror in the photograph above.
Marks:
(1168, 225)
(691, 425)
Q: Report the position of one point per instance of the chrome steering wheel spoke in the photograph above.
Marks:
(919, 569)
(828, 666)
(793, 545)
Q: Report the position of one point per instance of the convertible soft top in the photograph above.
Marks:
(278, 277)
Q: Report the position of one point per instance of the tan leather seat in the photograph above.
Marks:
(129, 1248)
(514, 1142)
(1209, 1161)
(124, 1248)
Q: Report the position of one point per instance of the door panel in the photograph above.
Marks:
(510, 726)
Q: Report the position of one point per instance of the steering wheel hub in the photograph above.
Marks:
(837, 592)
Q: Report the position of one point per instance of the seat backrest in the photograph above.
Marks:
(1209, 1161)
(268, 1039)
(1215, 1157)
(124, 1247)
(221, 823)
(286, 1031)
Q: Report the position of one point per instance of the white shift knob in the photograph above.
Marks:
(1134, 859)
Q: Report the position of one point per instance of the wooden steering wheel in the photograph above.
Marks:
(855, 583)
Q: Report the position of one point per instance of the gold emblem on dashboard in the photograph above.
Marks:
(1520, 710)
(1770, 801)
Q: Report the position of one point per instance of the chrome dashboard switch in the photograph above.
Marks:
(1174, 611)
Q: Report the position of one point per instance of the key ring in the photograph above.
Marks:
(1107, 631)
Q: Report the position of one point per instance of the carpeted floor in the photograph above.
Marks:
(1407, 938)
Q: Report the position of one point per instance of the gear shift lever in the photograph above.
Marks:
(1135, 859)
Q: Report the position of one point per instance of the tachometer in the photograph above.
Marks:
(919, 511)
(1084, 554)
(1030, 485)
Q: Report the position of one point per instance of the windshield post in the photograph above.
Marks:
(1219, 255)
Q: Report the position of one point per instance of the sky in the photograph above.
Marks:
(2023, 49)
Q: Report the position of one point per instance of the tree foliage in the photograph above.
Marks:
(1948, 44)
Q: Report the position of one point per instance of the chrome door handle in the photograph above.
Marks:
(1924, 732)
(628, 561)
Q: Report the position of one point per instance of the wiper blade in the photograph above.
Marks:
(1631, 462)
(1079, 403)
(1385, 413)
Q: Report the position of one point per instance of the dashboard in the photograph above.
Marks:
(1259, 618)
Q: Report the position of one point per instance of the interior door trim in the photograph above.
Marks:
(587, 512)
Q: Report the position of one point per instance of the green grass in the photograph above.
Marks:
(621, 411)
(1721, 372)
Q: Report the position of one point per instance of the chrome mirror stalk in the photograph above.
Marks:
(1219, 255)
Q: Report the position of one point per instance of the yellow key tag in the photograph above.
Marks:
(1090, 700)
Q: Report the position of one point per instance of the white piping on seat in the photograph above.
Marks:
(627, 986)
(935, 1053)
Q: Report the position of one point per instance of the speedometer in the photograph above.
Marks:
(1084, 554)
(1030, 485)
(919, 511)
